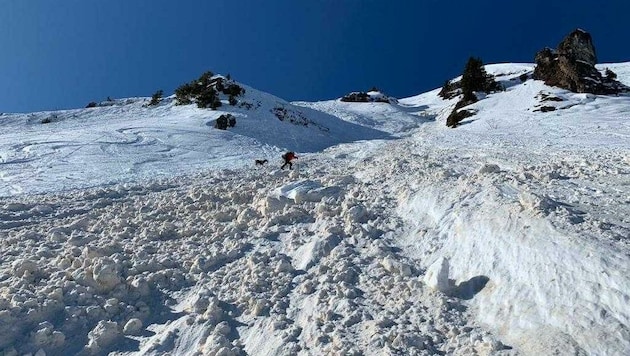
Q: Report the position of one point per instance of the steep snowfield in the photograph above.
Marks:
(507, 235)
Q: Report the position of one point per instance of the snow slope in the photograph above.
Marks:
(508, 235)
(126, 141)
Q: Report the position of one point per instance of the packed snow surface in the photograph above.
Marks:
(130, 230)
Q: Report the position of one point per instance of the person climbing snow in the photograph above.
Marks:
(288, 157)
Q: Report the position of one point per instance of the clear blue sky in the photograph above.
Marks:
(64, 54)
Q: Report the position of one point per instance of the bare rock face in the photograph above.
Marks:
(578, 45)
(572, 67)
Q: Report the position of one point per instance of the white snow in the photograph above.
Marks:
(132, 230)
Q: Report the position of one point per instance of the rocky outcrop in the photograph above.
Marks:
(372, 96)
(572, 66)
(578, 45)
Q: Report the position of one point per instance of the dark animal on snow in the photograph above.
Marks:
(261, 162)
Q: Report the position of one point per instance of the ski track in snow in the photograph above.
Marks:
(468, 241)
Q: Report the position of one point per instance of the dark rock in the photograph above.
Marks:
(224, 121)
(579, 46)
(456, 117)
(572, 67)
(450, 89)
(548, 97)
(296, 117)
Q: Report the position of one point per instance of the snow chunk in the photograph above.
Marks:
(223, 328)
(396, 267)
(24, 268)
(132, 326)
(304, 191)
(356, 213)
(207, 305)
(436, 276)
(269, 205)
(536, 203)
(105, 273)
(46, 336)
(489, 168)
(102, 336)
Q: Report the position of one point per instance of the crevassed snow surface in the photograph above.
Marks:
(392, 235)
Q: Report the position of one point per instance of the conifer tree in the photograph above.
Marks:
(156, 98)
(473, 78)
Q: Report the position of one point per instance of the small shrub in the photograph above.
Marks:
(207, 99)
(156, 98)
(49, 119)
(233, 90)
(205, 91)
(183, 94)
(218, 85)
(205, 79)
(447, 90)
(186, 93)
(610, 74)
(475, 78)
(91, 104)
(523, 77)
(356, 97)
(246, 105)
